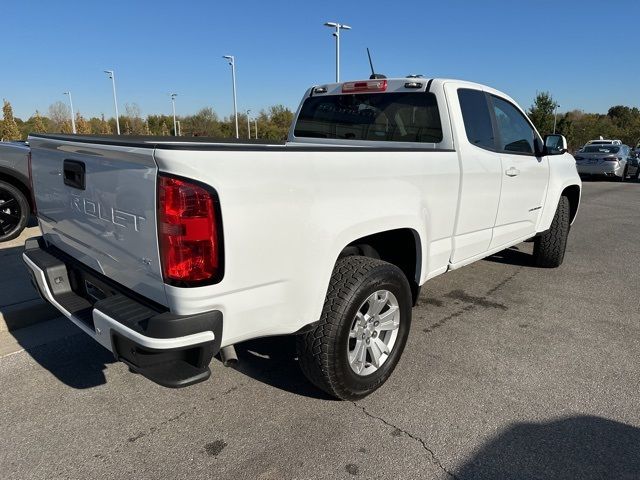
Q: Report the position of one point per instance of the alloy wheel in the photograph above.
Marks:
(9, 213)
(373, 333)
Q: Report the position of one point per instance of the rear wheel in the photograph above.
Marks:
(549, 248)
(362, 331)
(14, 211)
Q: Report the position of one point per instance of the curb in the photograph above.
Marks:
(26, 314)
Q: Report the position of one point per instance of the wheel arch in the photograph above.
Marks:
(572, 192)
(18, 182)
(401, 247)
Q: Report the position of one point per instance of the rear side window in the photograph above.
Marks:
(386, 117)
(515, 132)
(477, 119)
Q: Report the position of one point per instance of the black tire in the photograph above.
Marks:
(323, 351)
(549, 247)
(638, 174)
(14, 211)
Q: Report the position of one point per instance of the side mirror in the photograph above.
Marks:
(555, 144)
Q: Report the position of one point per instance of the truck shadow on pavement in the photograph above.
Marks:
(273, 361)
(512, 256)
(77, 360)
(580, 447)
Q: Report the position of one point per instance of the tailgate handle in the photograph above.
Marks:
(74, 174)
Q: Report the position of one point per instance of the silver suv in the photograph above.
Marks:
(609, 160)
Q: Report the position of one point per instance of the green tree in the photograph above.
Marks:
(105, 127)
(133, 122)
(83, 127)
(203, 124)
(38, 124)
(542, 112)
(621, 115)
(9, 129)
(274, 123)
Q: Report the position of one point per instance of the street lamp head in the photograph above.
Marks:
(109, 73)
(173, 96)
(337, 25)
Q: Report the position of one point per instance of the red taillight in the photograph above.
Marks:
(189, 233)
(365, 86)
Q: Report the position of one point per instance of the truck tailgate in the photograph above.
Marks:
(97, 203)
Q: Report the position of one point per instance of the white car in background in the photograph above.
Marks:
(607, 160)
(603, 141)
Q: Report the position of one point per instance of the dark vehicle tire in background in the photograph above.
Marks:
(362, 331)
(14, 212)
(549, 248)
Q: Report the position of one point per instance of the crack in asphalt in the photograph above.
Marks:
(503, 282)
(434, 459)
(185, 413)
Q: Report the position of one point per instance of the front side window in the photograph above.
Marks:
(515, 132)
(386, 117)
(477, 118)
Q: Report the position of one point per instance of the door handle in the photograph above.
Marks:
(512, 172)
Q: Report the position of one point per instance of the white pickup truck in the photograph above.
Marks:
(169, 250)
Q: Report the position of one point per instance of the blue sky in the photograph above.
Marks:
(281, 48)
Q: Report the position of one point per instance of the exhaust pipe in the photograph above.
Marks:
(228, 356)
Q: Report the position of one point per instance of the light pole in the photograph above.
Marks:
(232, 62)
(338, 27)
(112, 76)
(255, 124)
(555, 117)
(73, 116)
(173, 104)
(248, 125)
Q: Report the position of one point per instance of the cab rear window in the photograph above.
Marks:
(386, 117)
(601, 149)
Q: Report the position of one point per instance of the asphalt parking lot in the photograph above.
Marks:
(510, 372)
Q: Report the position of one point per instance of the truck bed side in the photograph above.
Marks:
(289, 212)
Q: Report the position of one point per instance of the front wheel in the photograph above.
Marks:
(14, 211)
(362, 331)
(549, 247)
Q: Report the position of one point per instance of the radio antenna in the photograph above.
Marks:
(374, 75)
(370, 63)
